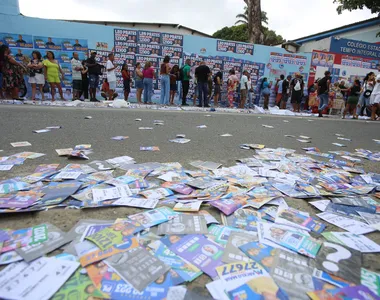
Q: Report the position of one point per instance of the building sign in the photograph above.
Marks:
(355, 48)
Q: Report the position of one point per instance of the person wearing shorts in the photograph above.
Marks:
(76, 67)
(111, 76)
(93, 75)
(126, 81)
(36, 76)
(52, 70)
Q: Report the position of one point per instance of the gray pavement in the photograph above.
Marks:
(17, 123)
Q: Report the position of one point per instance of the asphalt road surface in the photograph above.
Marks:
(18, 122)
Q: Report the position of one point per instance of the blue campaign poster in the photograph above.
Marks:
(149, 37)
(50, 43)
(20, 53)
(16, 40)
(170, 39)
(78, 45)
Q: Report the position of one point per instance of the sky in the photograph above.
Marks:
(291, 18)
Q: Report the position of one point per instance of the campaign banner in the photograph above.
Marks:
(125, 35)
(173, 61)
(232, 65)
(149, 49)
(322, 59)
(66, 56)
(49, 43)
(149, 37)
(101, 56)
(79, 45)
(276, 58)
(126, 47)
(143, 59)
(244, 48)
(214, 64)
(66, 68)
(226, 46)
(13, 40)
(172, 51)
(121, 58)
(20, 53)
(172, 39)
(356, 48)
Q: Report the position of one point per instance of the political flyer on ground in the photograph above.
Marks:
(56, 192)
(178, 187)
(359, 292)
(9, 257)
(137, 267)
(16, 239)
(262, 254)
(371, 280)
(348, 224)
(228, 206)
(292, 240)
(232, 253)
(220, 234)
(136, 202)
(245, 219)
(40, 279)
(293, 274)
(200, 251)
(56, 238)
(184, 224)
(193, 206)
(294, 218)
(111, 193)
(370, 219)
(154, 217)
(340, 261)
(185, 269)
(80, 286)
(98, 255)
(353, 241)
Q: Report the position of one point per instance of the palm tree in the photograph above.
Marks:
(243, 18)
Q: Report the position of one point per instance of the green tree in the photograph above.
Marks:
(237, 33)
(373, 5)
(243, 18)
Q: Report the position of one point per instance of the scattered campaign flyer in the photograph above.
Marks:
(154, 217)
(354, 241)
(114, 235)
(178, 187)
(220, 234)
(359, 292)
(17, 239)
(228, 206)
(119, 138)
(90, 257)
(184, 224)
(351, 201)
(5, 167)
(263, 254)
(82, 147)
(56, 239)
(340, 261)
(232, 253)
(348, 224)
(292, 240)
(159, 193)
(203, 253)
(294, 218)
(293, 273)
(185, 269)
(111, 193)
(79, 285)
(21, 144)
(371, 280)
(9, 257)
(193, 206)
(40, 279)
(136, 202)
(67, 175)
(106, 280)
(137, 267)
(370, 218)
(150, 148)
(245, 219)
(56, 192)
(320, 204)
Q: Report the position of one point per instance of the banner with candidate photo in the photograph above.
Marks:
(126, 47)
(225, 46)
(149, 37)
(13, 40)
(246, 49)
(172, 51)
(79, 45)
(121, 58)
(170, 39)
(143, 59)
(49, 43)
(125, 35)
(149, 49)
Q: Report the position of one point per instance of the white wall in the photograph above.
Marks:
(322, 45)
(364, 34)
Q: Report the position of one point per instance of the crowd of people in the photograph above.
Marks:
(45, 75)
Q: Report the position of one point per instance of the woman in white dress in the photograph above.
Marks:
(375, 98)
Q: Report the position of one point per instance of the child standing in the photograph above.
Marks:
(126, 80)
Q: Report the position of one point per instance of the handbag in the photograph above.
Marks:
(46, 88)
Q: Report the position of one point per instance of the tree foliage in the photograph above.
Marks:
(243, 18)
(373, 5)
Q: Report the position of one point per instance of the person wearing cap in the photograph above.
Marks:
(296, 87)
(323, 92)
(243, 89)
(93, 74)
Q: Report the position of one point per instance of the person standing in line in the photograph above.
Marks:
(51, 71)
(368, 85)
(84, 81)
(76, 67)
(217, 87)
(297, 90)
(149, 75)
(111, 75)
(126, 80)
(165, 81)
(185, 81)
(353, 99)
(243, 89)
(232, 83)
(375, 99)
(202, 73)
(93, 74)
(250, 92)
(12, 76)
(279, 90)
(139, 82)
(265, 91)
(174, 77)
(323, 92)
(285, 91)
(36, 76)
(209, 88)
